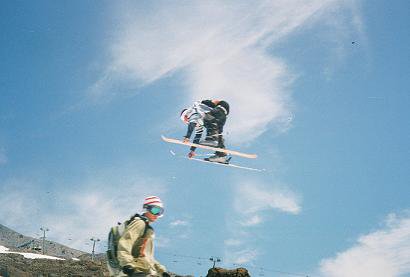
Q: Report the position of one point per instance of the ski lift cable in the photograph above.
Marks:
(274, 270)
(242, 265)
(184, 256)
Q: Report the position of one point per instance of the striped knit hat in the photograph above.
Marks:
(153, 201)
(184, 115)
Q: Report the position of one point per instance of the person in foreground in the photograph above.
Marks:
(131, 244)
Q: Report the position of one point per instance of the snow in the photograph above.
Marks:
(5, 250)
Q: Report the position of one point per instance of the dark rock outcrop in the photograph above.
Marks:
(220, 272)
(16, 265)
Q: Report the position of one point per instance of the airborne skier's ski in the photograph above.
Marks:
(227, 151)
(205, 160)
(226, 164)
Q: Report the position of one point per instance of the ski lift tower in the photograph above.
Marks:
(94, 240)
(215, 260)
(44, 229)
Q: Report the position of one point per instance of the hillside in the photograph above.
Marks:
(15, 264)
(14, 240)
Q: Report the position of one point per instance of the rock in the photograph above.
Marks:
(220, 272)
(17, 265)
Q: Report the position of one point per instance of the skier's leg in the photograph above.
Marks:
(214, 123)
(221, 140)
(211, 125)
(220, 157)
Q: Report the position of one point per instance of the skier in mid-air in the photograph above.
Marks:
(210, 114)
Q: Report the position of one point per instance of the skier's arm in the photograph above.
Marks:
(191, 127)
(196, 140)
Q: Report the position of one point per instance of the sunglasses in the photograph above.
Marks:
(155, 210)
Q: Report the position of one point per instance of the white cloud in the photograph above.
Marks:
(251, 221)
(345, 25)
(222, 49)
(252, 202)
(382, 253)
(242, 256)
(179, 230)
(251, 198)
(179, 222)
(76, 214)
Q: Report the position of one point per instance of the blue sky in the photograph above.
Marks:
(86, 92)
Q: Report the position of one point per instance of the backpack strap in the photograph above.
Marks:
(143, 218)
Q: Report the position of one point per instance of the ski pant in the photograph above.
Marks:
(214, 122)
(117, 272)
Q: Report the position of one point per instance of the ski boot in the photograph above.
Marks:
(210, 142)
(219, 159)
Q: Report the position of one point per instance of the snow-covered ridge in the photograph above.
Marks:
(5, 250)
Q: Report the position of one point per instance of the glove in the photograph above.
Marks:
(129, 270)
(166, 274)
(160, 269)
(191, 154)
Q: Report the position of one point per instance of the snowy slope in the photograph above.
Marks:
(5, 250)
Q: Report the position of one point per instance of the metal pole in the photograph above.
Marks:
(94, 240)
(44, 238)
(44, 229)
(214, 260)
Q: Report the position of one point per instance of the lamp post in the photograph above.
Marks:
(44, 229)
(94, 240)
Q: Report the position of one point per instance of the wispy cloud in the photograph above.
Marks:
(179, 229)
(243, 256)
(345, 25)
(74, 215)
(233, 242)
(17, 202)
(223, 50)
(252, 201)
(385, 252)
(260, 197)
(179, 222)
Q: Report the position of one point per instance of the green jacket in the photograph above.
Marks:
(136, 248)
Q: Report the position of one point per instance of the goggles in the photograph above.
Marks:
(155, 210)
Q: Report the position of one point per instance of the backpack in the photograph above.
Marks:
(114, 236)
